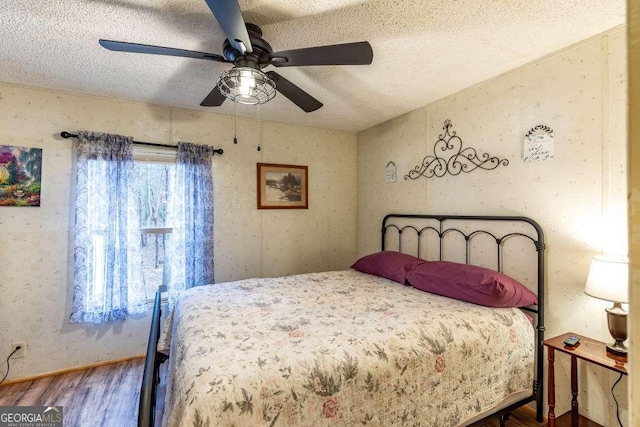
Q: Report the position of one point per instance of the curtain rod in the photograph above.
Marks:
(66, 135)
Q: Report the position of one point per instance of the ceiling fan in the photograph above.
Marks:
(249, 53)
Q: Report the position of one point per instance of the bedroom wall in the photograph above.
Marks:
(633, 42)
(34, 242)
(579, 196)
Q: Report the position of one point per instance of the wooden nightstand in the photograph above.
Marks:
(589, 350)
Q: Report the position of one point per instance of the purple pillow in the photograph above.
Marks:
(388, 264)
(470, 283)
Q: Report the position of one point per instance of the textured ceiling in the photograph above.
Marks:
(423, 50)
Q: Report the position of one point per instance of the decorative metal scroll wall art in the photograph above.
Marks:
(449, 157)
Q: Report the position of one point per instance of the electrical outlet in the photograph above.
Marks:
(20, 353)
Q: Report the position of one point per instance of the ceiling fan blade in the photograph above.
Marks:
(296, 95)
(229, 16)
(214, 99)
(158, 50)
(359, 53)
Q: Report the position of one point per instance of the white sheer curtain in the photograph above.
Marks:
(107, 277)
(191, 244)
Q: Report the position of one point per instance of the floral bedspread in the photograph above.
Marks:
(339, 348)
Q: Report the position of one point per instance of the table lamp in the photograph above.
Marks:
(609, 280)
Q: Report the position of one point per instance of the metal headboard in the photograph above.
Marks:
(416, 229)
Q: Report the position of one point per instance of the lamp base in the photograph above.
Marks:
(617, 320)
(617, 353)
(618, 348)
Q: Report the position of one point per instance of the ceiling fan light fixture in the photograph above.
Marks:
(246, 85)
(245, 48)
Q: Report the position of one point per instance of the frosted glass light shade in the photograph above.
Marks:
(609, 279)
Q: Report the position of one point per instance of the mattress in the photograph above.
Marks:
(339, 348)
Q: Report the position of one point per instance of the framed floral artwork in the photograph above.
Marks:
(20, 176)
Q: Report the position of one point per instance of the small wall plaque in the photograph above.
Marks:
(391, 172)
(538, 144)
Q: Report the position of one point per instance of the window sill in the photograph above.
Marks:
(164, 299)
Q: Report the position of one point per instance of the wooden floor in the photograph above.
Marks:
(104, 396)
(108, 396)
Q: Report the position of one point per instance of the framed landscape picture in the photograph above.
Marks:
(20, 175)
(282, 186)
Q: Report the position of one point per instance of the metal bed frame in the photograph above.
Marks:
(400, 223)
(441, 227)
(151, 374)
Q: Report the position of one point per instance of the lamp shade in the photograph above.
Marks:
(609, 279)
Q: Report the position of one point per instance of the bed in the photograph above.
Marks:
(351, 348)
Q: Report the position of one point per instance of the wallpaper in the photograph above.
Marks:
(578, 197)
(634, 204)
(35, 279)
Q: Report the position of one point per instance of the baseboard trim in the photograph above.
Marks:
(74, 369)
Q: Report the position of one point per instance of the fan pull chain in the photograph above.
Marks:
(259, 129)
(235, 126)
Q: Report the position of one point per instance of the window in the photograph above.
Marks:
(125, 199)
(151, 186)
